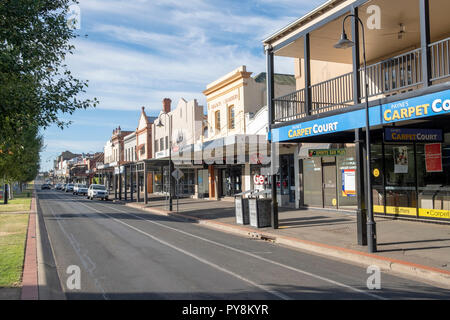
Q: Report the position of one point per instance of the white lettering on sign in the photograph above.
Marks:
(439, 106)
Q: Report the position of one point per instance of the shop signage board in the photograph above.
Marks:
(433, 157)
(419, 107)
(326, 152)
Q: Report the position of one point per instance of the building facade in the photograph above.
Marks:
(407, 74)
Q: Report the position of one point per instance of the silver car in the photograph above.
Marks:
(80, 189)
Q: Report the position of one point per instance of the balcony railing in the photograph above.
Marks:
(387, 77)
(440, 59)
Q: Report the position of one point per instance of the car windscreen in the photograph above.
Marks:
(98, 188)
(81, 186)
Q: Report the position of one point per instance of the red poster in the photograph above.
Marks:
(433, 157)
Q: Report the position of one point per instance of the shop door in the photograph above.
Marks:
(329, 184)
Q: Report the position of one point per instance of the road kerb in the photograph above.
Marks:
(435, 276)
(30, 289)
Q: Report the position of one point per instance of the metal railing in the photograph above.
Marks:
(333, 94)
(440, 59)
(290, 107)
(393, 74)
(388, 77)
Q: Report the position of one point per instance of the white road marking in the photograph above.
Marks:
(264, 288)
(238, 250)
(84, 258)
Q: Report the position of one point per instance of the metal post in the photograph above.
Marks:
(145, 184)
(307, 74)
(361, 214)
(115, 185)
(273, 153)
(425, 41)
(120, 184)
(356, 57)
(131, 183)
(138, 196)
(170, 164)
(125, 178)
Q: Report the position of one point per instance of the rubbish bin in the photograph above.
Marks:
(241, 208)
(260, 210)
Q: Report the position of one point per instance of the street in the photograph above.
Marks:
(125, 253)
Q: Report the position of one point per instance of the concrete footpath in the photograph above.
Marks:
(412, 249)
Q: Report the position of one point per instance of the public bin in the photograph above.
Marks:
(241, 207)
(260, 210)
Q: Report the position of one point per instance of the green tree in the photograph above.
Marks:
(35, 84)
(36, 87)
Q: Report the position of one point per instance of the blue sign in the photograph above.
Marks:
(419, 107)
(337, 123)
(411, 135)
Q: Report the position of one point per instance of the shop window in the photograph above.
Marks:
(217, 120)
(400, 179)
(231, 117)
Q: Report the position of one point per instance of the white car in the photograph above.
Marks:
(69, 187)
(80, 189)
(97, 191)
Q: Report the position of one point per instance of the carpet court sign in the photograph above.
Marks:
(412, 135)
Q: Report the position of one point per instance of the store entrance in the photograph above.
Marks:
(329, 182)
(231, 180)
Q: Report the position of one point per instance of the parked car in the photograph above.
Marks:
(80, 189)
(45, 186)
(97, 191)
(69, 187)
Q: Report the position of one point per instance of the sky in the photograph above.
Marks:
(135, 53)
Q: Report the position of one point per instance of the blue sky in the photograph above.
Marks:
(138, 52)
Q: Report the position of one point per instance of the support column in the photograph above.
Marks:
(138, 196)
(131, 183)
(361, 188)
(307, 74)
(273, 153)
(125, 178)
(145, 184)
(212, 182)
(425, 41)
(115, 185)
(120, 184)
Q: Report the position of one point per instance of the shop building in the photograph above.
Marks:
(179, 129)
(233, 101)
(408, 93)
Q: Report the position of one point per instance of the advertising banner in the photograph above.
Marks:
(401, 159)
(433, 157)
(348, 182)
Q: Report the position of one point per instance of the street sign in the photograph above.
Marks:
(177, 174)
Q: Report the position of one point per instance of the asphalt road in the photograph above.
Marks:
(125, 253)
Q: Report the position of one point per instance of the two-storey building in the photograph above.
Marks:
(401, 51)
